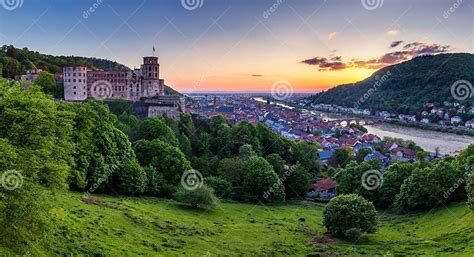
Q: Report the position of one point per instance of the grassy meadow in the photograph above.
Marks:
(111, 226)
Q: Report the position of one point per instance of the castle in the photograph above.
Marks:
(142, 86)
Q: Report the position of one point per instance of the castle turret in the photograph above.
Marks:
(152, 85)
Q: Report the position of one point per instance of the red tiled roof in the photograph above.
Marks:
(324, 184)
(370, 137)
(405, 151)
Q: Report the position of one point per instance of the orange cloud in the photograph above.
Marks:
(409, 51)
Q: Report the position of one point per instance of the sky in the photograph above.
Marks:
(244, 45)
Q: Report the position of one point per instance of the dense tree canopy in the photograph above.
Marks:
(406, 83)
(260, 182)
(35, 149)
(393, 179)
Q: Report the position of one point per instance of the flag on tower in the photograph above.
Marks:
(153, 50)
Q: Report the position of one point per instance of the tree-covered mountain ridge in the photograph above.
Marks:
(405, 87)
(15, 62)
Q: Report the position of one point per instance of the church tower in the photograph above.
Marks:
(151, 83)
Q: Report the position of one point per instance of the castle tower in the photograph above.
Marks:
(151, 83)
(75, 83)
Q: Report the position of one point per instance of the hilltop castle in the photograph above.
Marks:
(81, 83)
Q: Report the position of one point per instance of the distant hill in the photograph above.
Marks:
(15, 62)
(405, 87)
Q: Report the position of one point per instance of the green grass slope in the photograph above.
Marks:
(157, 227)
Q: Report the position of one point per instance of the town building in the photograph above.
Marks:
(33, 74)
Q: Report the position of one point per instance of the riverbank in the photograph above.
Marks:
(426, 139)
(419, 125)
(432, 140)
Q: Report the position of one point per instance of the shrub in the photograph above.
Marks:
(353, 234)
(349, 212)
(201, 197)
(222, 188)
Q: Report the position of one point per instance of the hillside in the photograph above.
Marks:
(151, 226)
(15, 62)
(406, 86)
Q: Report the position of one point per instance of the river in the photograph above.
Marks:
(427, 139)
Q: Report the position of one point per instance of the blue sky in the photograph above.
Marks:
(240, 44)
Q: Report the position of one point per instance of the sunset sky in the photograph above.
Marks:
(245, 45)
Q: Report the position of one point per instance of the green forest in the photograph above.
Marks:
(405, 87)
(15, 62)
(63, 163)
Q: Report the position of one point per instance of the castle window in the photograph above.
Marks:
(149, 68)
(74, 87)
(74, 80)
(74, 92)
